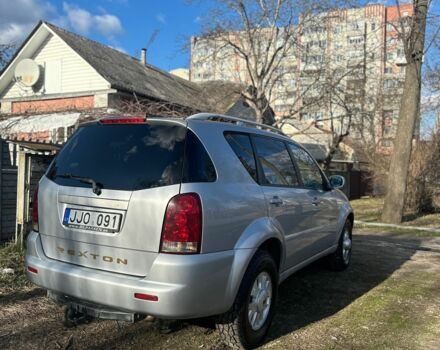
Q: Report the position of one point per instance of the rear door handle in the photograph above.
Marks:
(275, 200)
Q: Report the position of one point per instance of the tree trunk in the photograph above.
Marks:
(408, 116)
(333, 148)
(259, 115)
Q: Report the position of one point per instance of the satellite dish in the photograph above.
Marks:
(27, 72)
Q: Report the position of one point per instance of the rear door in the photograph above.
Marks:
(323, 207)
(287, 201)
(138, 169)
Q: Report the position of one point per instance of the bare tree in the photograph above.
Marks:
(414, 45)
(262, 44)
(258, 43)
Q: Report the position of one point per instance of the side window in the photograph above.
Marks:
(197, 166)
(275, 161)
(309, 171)
(241, 145)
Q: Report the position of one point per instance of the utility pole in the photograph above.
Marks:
(408, 115)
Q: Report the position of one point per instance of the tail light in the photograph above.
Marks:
(182, 227)
(35, 211)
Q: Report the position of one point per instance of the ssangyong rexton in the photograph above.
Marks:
(183, 219)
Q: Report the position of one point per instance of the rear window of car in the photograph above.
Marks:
(126, 157)
(198, 166)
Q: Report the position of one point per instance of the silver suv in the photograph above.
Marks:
(183, 219)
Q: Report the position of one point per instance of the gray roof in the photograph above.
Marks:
(220, 95)
(225, 97)
(126, 73)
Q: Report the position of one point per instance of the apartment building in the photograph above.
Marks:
(347, 67)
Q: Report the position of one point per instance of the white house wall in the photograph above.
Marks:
(76, 75)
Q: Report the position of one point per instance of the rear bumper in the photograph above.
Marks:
(186, 286)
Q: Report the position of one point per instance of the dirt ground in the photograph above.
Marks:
(389, 298)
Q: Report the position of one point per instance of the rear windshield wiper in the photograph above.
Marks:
(96, 186)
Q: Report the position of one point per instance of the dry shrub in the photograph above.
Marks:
(137, 107)
(12, 256)
(423, 189)
(377, 165)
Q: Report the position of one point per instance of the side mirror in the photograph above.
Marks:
(337, 181)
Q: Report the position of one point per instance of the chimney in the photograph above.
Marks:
(143, 56)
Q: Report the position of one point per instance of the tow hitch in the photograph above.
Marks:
(78, 311)
(73, 318)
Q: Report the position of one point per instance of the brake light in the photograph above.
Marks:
(35, 211)
(182, 227)
(124, 120)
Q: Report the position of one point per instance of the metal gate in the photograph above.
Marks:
(8, 189)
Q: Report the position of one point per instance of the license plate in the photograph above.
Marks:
(92, 220)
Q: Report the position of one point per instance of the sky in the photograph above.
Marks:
(126, 25)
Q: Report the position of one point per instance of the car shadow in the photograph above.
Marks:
(315, 292)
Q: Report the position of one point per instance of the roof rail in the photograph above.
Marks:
(238, 121)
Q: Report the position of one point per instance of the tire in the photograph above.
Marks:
(341, 258)
(234, 326)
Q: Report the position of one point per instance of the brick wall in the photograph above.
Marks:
(53, 105)
(394, 12)
(40, 136)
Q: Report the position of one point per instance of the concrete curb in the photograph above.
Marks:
(379, 224)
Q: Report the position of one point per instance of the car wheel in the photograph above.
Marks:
(246, 324)
(340, 259)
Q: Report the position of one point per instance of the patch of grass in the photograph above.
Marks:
(12, 256)
(370, 210)
(367, 209)
(405, 230)
(394, 315)
(398, 314)
(429, 220)
(370, 203)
